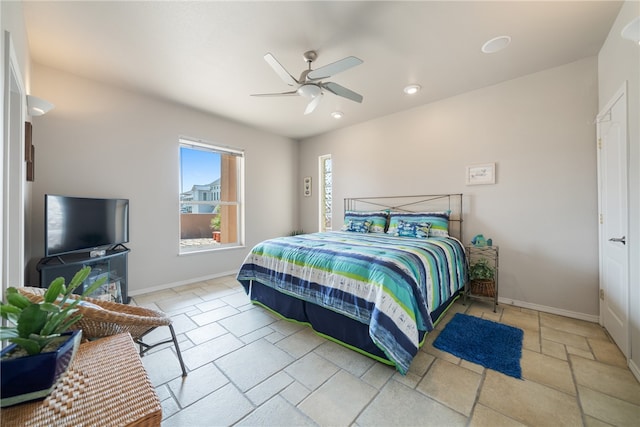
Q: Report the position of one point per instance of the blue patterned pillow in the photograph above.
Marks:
(378, 219)
(413, 229)
(359, 226)
(439, 222)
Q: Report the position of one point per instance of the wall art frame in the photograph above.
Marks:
(481, 174)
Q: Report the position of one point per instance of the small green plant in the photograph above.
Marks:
(296, 232)
(481, 270)
(38, 324)
(215, 223)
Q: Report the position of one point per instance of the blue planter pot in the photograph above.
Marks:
(34, 377)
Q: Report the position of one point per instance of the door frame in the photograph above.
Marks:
(13, 169)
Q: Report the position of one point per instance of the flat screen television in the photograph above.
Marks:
(77, 224)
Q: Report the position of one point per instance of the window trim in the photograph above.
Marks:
(200, 144)
(321, 192)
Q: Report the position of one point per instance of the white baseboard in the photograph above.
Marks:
(553, 310)
(133, 293)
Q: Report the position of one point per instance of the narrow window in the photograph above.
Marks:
(326, 201)
(211, 199)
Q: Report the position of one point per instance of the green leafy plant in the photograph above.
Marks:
(38, 324)
(481, 270)
(215, 223)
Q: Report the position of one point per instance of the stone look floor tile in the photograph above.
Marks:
(487, 417)
(312, 370)
(547, 370)
(268, 388)
(210, 350)
(347, 359)
(162, 366)
(608, 409)
(276, 412)
(214, 315)
(338, 401)
(205, 333)
(566, 338)
(611, 380)
(452, 385)
(179, 301)
(247, 366)
(253, 363)
(573, 326)
(223, 407)
(607, 352)
(246, 322)
(398, 405)
(199, 383)
(295, 393)
(554, 349)
(529, 402)
(300, 343)
(378, 375)
(521, 320)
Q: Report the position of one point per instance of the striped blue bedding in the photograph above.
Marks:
(389, 283)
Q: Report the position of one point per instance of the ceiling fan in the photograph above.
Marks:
(310, 83)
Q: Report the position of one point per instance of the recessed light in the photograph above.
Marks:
(496, 44)
(412, 89)
(337, 114)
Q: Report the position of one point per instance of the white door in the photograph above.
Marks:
(613, 233)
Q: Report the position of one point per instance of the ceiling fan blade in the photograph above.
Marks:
(280, 70)
(292, 93)
(342, 91)
(313, 104)
(334, 68)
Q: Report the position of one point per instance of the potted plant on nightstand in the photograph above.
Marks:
(42, 346)
(482, 278)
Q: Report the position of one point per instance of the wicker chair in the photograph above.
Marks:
(113, 318)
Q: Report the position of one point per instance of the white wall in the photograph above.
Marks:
(619, 61)
(101, 141)
(542, 212)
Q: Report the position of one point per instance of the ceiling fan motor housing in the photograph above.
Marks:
(310, 56)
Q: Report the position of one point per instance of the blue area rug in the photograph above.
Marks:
(490, 344)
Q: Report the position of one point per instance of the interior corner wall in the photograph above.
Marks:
(102, 141)
(619, 61)
(542, 212)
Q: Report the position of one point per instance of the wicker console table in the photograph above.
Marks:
(106, 385)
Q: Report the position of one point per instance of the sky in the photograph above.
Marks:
(198, 167)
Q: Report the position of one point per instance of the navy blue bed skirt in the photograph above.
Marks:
(335, 326)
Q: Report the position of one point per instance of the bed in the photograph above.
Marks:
(378, 285)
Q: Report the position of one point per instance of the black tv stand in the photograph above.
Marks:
(112, 266)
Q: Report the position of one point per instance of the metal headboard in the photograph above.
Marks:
(421, 203)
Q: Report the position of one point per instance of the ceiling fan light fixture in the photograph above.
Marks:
(309, 90)
(631, 31)
(412, 89)
(496, 44)
(337, 115)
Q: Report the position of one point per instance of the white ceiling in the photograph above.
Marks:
(209, 54)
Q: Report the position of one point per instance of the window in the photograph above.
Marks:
(211, 199)
(326, 201)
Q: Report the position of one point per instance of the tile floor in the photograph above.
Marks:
(248, 367)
